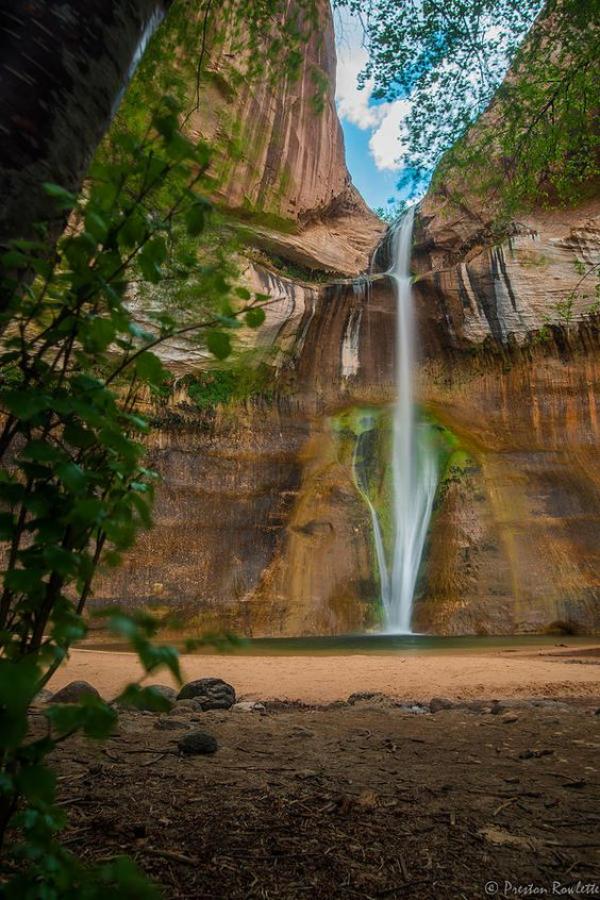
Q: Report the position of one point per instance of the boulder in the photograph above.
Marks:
(43, 696)
(197, 743)
(439, 703)
(209, 693)
(74, 691)
(165, 691)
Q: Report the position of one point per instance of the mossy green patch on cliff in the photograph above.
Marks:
(285, 268)
(365, 442)
(363, 439)
(217, 387)
(251, 214)
(454, 460)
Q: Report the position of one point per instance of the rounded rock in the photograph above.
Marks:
(169, 693)
(74, 691)
(197, 743)
(43, 696)
(209, 693)
(249, 706)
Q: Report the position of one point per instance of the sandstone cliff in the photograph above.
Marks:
(261, 520)
(511, 340)
(282, 167)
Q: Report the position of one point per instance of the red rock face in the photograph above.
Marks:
(260, 526)
(289, 179)
(515, 373)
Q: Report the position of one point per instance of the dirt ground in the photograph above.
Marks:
(545, 671)
(362, 800)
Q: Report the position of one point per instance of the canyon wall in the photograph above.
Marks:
(511, 340)
(262, 525)
(281, 166)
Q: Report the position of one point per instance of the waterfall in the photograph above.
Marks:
(414, 457)
(414, 461)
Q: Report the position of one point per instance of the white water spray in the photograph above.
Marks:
(414, 461)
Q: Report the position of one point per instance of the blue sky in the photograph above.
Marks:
(371, 129)
(377, 186)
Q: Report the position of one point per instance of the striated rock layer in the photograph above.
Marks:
(510, 332)
(262, 524)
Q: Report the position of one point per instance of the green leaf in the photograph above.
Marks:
(255, 317)
(24, 404)
(195, 217)
(77, 436)
(37, 783)
(151, 257)
(126, 880)
(228, 321)
(143, 509)
(180, 148)
(91, 714)
(166, 125)
(100, 718)
(72, 476)
(139, 332)
(99, 333)
(219, 344)
(87, 512)
(65, 717)
(134, 229)
(149, 368)
(7, 526)
(26, 581)
(144, 698)
(41, 451)
(60, 560)
(14, 259)
(96, 224)
(155, 657)
(64, 199)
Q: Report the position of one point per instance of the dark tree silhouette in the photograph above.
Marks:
(63, 67)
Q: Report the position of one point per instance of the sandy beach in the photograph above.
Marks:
(552, 672)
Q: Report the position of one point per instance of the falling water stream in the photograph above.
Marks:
(414, 459)
(414, 462)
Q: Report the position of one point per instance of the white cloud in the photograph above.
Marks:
(352, 104)
(355, 106)
(385, 140)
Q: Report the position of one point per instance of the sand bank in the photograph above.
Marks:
(544, 672)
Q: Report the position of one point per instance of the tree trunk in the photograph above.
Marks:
(64, 65)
